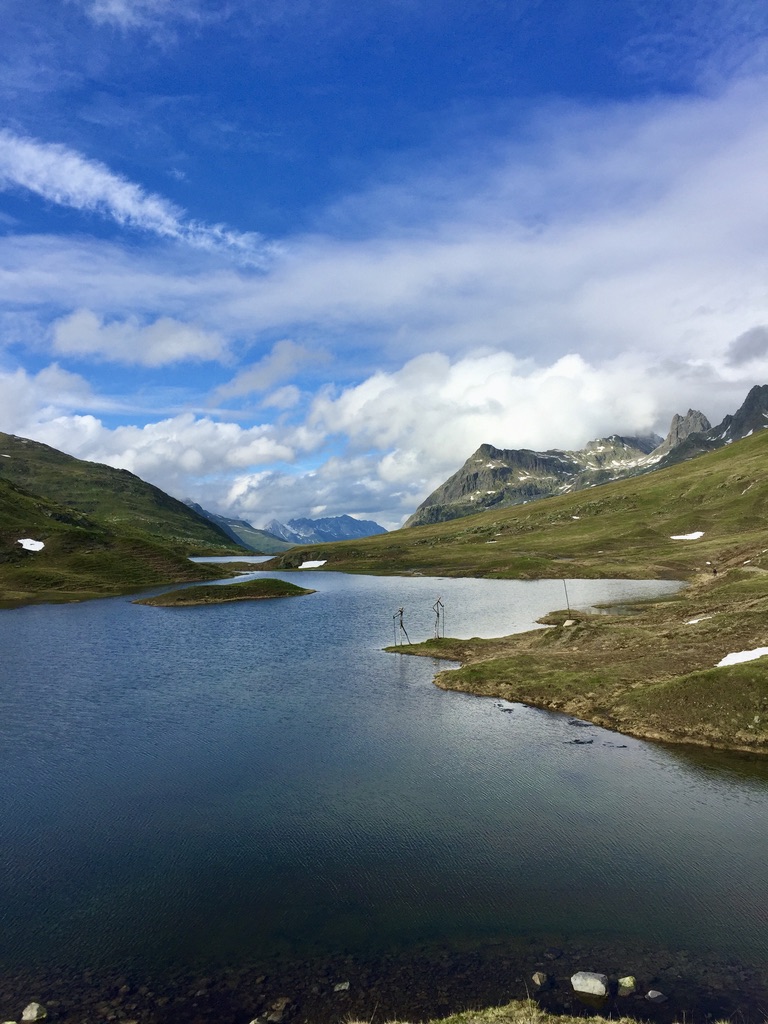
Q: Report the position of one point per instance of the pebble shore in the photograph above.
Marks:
(414, 986)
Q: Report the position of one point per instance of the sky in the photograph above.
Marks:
(302, 259)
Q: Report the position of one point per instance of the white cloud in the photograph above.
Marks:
(62, 176)
(172, 453)
(637, 227)
(128, 341)
(283, 362)
(26, 399)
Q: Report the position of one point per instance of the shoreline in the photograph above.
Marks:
(651, 673)
(421, 984)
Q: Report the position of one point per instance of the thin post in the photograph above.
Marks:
(567, 602)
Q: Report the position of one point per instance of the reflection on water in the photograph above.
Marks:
(194, 784)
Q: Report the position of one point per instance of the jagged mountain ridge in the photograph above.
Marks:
(316, 531)
(494, 477)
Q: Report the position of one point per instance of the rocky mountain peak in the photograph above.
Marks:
(694, 422)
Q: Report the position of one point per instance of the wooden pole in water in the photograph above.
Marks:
(567, 602)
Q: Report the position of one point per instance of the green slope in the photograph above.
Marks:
(104, 532)
(113, 498)
(616, 530)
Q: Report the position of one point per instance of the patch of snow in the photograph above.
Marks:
(6, 456)
(688, 536)
(747, 561)
(751, 432)
(490, 465)
(313, 564)
(739, 656)
(31, 545)
(575, 517)
(692, 622)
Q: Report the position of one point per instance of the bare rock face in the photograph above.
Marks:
(588, 983)
(694, 422)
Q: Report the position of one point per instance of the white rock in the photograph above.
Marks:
(654, 996)
(589, 983)
(34, 1012)
(627, 985)
(341, 986)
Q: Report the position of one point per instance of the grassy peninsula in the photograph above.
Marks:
(249, 590)
(650, 671)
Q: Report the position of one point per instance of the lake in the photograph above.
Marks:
(211, 784)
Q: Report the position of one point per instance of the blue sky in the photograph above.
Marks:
(302, 259)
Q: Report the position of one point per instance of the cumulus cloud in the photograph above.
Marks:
(28, 399)
(172, 453)
(128, 341)
(60, 175)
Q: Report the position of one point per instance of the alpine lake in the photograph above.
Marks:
(208, 809)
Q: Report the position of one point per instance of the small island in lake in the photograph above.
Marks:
(250, 590)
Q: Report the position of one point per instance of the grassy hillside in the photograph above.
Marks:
(113, 498)
(80, 558)
(616, 530)
(106, 532)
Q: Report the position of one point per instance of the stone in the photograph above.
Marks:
(570, 622)
(540, 979)
(34, 1012)
(627, 985)
(654, 996)
(589, 983)
(341, 986)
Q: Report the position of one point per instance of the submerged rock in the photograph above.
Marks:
(34, 1012)
(540, 979)
(589, 983)
(627, 985)
(654, 996)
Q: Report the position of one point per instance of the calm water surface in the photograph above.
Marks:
(195, 785)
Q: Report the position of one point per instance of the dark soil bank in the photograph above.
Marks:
(415, 987)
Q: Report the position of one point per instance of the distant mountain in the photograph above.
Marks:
(315, 531)
(494, 477)
(242, 532)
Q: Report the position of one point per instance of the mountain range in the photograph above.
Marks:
(277, 536)
(317, 531)
(241, 532)
(496, 478)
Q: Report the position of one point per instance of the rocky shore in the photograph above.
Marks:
(414, 986)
